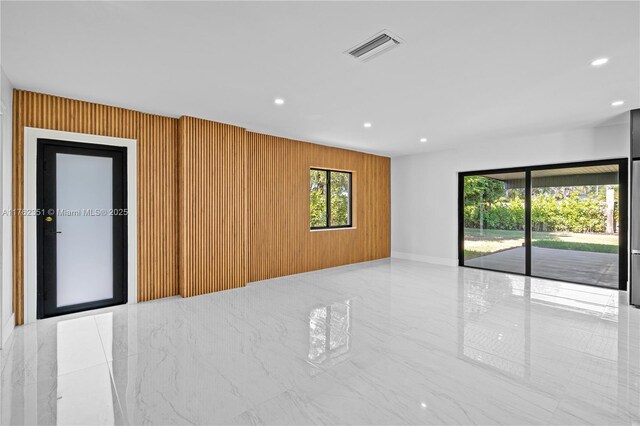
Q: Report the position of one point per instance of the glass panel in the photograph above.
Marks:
(318, 198)
(340, 183)
(494, 221)
(574, 221)
(84, 261)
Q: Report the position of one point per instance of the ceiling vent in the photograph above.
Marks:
(375, 45)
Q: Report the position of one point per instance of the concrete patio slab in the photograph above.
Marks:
(567, 265)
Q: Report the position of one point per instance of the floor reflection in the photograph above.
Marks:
(87, 396)
(60, 374)
(539, 331)
(329, 332)
(486, 338)
(388, 342)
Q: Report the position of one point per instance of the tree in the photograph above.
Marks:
(480, 189)
(318, 198)
(339, 198)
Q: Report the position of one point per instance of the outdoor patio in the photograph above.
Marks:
(567, 265)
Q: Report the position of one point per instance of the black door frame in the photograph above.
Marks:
(623, 176)
(46, 266)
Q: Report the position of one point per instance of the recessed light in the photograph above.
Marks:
(367, 125)
(423, 140)
(278, 101)
(617, 103)
(599, 62)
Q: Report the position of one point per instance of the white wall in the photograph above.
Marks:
(6, 296)
(424, 215)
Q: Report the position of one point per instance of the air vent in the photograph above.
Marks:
(381, 42)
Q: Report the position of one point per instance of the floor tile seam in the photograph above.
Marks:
(255, 406)
(109, 369)
(58, 376)
(565, 394)
(6, 352)
(43, 380)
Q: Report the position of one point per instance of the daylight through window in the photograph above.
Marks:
(330, 199)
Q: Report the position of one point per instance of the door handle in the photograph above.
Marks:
(635, 252)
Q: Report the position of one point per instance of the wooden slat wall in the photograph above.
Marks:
(157, 181)
(212, 206)
(217, 206)
(280, 242)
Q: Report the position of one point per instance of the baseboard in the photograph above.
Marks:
(7, 329)
(426, 259)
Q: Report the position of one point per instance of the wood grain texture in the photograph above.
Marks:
(217, 206)
(280, 242)
(157, 181)
(212, 206)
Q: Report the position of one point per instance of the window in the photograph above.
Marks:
(330, 199)
(563, 221)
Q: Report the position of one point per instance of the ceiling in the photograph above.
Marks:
(467, 72)
(569, 176)
(551, 172)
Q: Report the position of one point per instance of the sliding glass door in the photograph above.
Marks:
(575, 224)
(564, 222)
(494, 225)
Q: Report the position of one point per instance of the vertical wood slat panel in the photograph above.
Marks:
(218, 206)
(279, 240)
(157, 181)
(212, 206)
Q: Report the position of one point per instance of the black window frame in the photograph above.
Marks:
(623, 165)
(328, 200)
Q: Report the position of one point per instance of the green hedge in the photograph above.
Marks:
(548, 213)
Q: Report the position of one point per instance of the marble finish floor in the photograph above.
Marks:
(384, 342)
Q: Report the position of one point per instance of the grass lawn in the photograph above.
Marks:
(494, 240)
